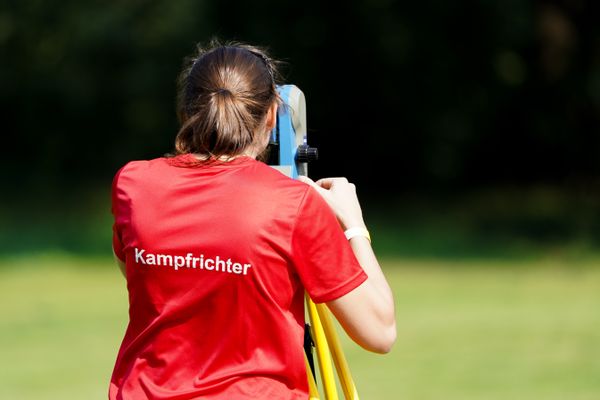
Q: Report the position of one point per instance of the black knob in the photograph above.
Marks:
(306, 153)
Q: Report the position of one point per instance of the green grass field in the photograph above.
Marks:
(466, 330)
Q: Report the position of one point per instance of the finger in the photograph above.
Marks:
(308, 181)
(312, 183)
(328, 183)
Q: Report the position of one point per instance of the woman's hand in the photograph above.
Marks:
(341, 197)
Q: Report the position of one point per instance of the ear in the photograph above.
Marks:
(271, 119)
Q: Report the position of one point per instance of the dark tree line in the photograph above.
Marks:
(436, 94)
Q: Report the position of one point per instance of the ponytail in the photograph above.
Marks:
(223, 99)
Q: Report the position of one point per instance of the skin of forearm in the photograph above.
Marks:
(364, 254)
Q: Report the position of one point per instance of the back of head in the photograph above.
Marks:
(224, 94)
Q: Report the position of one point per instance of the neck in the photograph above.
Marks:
(224, 158)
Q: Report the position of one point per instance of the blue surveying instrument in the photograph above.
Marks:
(288, 150)
(290, 154)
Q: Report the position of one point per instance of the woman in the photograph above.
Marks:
(218, 250)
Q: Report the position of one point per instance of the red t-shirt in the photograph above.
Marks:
(217, 259)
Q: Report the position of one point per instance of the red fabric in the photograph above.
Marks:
(231, 328)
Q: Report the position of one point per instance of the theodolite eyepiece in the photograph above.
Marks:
(306, 153)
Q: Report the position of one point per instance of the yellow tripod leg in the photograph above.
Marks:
(323, 353)
(313, 392)
(341, 365)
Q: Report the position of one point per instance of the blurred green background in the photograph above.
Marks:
(471, 128)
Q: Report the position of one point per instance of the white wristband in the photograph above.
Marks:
(357, 231)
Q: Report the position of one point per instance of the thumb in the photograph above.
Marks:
(306, 180)
(310, 182)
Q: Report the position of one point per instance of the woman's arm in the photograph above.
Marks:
(367, 312)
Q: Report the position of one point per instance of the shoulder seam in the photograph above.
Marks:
(300, 204)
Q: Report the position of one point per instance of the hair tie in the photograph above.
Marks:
(225, 92)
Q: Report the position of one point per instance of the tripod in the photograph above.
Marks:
(289, 153)
(328, 347)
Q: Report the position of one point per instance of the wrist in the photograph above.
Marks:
(347, 223)
(357, 231)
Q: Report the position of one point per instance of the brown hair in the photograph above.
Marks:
(224, 93)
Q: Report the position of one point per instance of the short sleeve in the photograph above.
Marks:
(117, 243)
(323, 257)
